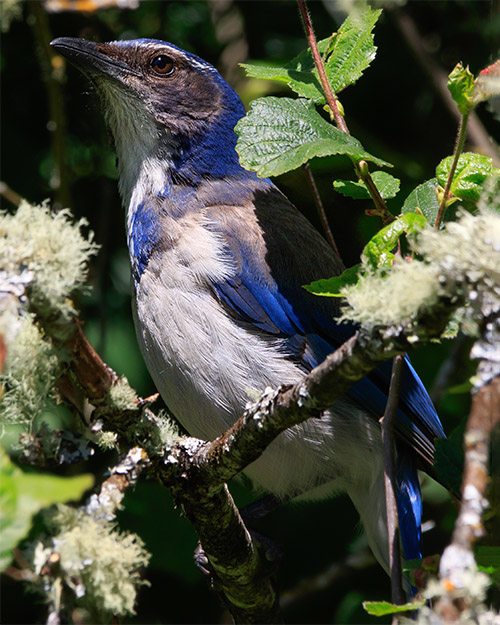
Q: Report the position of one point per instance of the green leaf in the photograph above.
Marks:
(349, 188)
(348, 53)
(330, 287)
(471, 171)
(299, 74)
(23, 494)
(461, 87)
(280, 134)
(449, 458)
(351, 51)
(378, 251)
(387, 185)
(383, 608)
(423, 199)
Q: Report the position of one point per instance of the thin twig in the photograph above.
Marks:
(390, 482)
(360, 168)
(24, 572)
(321, 209)
(10, 195)
(90, 370)
(484, 418)
(380, 210)
(456, 155)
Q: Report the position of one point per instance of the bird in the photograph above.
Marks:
(219, 257)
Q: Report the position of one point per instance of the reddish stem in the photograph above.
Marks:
(362, 173)
(318, 61)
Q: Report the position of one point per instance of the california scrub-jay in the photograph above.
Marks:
(219, 257)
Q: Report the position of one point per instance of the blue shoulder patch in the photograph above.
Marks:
(143, 236)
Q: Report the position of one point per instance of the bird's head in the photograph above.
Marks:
(161, 102)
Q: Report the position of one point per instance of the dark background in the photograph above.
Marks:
(396, 113)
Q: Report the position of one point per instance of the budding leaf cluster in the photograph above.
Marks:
(468, 91)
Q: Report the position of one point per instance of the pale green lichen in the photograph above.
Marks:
(100, 564)
(408, 289)
(461, 260)
(155, 433)
(122, 396)
(106, 440)
(168, 430)
(471, 594)
(52, 249)
(43, 262)
(469, 248)
(31, 366)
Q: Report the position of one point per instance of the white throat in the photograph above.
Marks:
(144, 149)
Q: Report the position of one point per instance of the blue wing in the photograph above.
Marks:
(276, 251)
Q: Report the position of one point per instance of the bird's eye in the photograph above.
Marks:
(163, 65)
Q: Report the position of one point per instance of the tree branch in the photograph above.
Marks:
(9, 194)
(458, 559)
(197, 471)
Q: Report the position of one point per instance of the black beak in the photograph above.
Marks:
(89, 57)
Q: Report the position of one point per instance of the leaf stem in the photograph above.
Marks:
(320, 208)
(361, 168)
(456, 154)
(363, 173)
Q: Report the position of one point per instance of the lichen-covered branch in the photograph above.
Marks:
(125, 474)
(459, 271)
(232, 554)
(458, 565)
